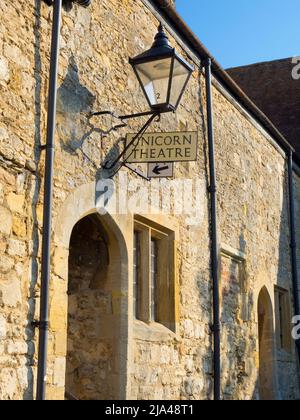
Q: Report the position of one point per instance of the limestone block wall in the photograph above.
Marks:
(94, 74)
(253, 199)
(18, 271)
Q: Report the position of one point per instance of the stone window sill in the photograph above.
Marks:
(153, 332)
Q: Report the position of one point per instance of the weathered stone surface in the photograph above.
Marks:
(17, 348)
(10, 292)
(6, 177)
(19, 227)
(16, 248)
(6, 263)
(5, 220)
(3, 329)
(3, 134)
(4, 70)
(60, 344)
(59, 372)
(59, 300)
(24, 376)
(16, 202)
(8, 381)
(60, 256)
(15, 54)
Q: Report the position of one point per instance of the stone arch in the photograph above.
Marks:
(79, 206)
(266, 339)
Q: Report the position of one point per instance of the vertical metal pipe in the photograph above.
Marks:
(214, 234)
(293, 245)
(47, 215)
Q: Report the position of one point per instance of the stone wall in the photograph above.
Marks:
(17, 270)
(253, 199)
(94, 74)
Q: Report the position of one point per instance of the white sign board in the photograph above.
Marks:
(162, 147)
(160, 170)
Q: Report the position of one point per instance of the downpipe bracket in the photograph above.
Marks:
(215, 328)
(46, 147)
(41, 325)
(212, 189)
(293, 245)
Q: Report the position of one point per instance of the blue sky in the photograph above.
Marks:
(239, 32)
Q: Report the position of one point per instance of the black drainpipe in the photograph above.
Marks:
(214, 234)
(43, 323)
(293, 242)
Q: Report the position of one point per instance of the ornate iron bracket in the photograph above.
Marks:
(108, 165)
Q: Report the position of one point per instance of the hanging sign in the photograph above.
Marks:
(160, 170)
(162, 147)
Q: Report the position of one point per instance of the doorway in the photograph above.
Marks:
(93, 368)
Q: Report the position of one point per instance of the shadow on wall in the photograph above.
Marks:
(72, 96)
(74, 103)
(77, 133)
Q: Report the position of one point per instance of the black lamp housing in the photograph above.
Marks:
(84, 3)
(162, 74)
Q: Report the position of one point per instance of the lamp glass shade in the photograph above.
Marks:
(155, 79)
(180, 77)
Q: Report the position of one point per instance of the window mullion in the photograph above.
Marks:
(145, 292)
(154, 281)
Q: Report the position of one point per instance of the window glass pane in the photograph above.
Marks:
(282, 320)
(154, 271)
(136, 274)
(155, 79)
(180, 76)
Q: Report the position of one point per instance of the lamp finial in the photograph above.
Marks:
(161, 38)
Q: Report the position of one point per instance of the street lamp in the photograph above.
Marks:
(163, 76)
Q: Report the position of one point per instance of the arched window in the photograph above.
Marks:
(266, 346)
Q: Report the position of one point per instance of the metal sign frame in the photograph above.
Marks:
(128, 156)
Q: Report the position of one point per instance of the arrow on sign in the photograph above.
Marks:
(160, 170)
(157, 170)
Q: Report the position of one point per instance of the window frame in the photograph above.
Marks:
(136, 274)
(283, 319)
(166, 285)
